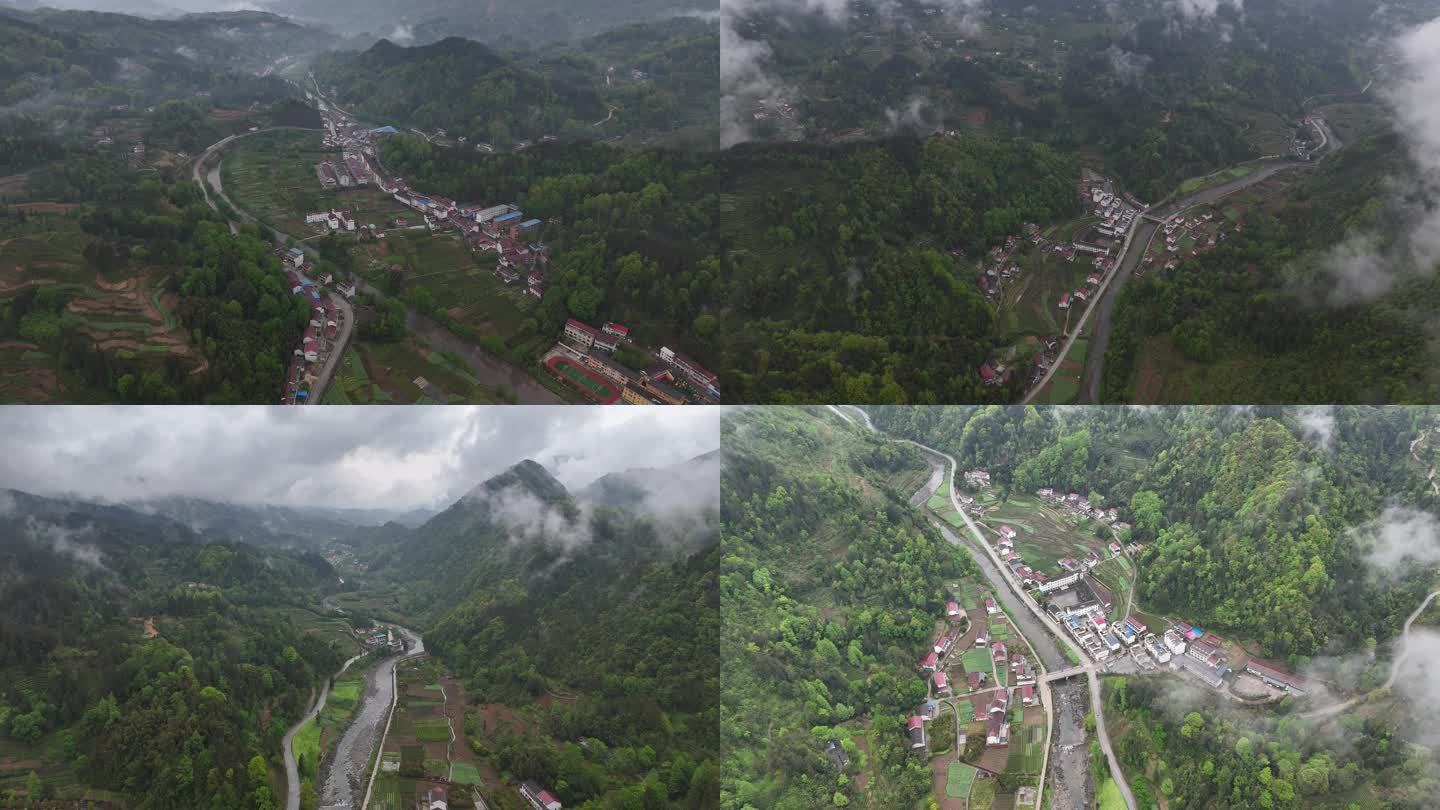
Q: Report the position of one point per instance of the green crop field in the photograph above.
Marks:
(1027, 749)
(982, 795)
(464, 773)
(977, 659)
(307, 742)
(432, 730)
(958, 778)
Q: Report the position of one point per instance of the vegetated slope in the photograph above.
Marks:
(1252, 319)
(1198, 749)
(849, 271)
(831, 585)
(1254, 524)
(140, 659)
(500, 97)
(528, 590)
(262, 524)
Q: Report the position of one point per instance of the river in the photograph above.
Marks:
(342, 781)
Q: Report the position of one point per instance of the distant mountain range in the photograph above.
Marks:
(535, 23)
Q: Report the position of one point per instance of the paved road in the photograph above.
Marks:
(1395, 666)
(212, 182)
(292, 770)
(1007, 587)
(1104, 304)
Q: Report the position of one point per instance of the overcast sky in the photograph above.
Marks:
(361, 457)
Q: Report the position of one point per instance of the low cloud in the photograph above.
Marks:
(1317, 425)
(64, 541)
(1417, 682)
(915, 114)
(532, 521)
(402, 34)
(1370, 264)
(1401, 540)
(1201, 10)
(1128, 67)
(747, 71)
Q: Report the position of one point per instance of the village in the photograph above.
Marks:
(979, 669)
(1080, 594)
(583, 358)
(1045, 307)
(1073, 560)
(320, 341)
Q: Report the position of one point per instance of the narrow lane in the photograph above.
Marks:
(292, 770)
(1395, 665)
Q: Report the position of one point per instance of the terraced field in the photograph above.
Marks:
(128, 316)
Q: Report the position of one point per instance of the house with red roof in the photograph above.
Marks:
(1027, 694)
(952, 609)
(930, 661)
(942, 683)
(991, 606)
(538, 797)
(1065, 300)
(916, 727)
(975, 680)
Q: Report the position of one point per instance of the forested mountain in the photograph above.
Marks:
(542, 22)
(143, 660)
(70, 61)
(587, 91)
(526, 590)
(263, 524)
(849, 271)
(1258, 523)
(829, 583)
(1254, 320)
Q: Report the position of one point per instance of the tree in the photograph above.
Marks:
(35, 788)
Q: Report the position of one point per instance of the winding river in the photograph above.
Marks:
(342, 775)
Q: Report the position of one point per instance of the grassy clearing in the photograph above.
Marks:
(307, 741)
(982, 795)
(1026, 750)
(1109, 795)
(1194, 184)
(977, 659)
(464, 773)
(958, 779)
(390, 370)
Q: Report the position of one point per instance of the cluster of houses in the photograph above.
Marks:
(1080, 507)
(324, 321)
(351, 171)
(382, 638)
(999, 265)
(1205, 231)
(674, 379)
(539, 798)
(335, 219)
(437, 797)
(994, 712)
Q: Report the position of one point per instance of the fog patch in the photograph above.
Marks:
(1417, 683)
(1401, 540)
(915, 114)
(1368, 265)
(403, 34)
(63, 541)
(1128, 67)
(1317, 425)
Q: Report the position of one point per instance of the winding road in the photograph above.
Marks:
(346, 323)
(292, 770)
(1137, 242)
(1008, 590)
(1395, 665)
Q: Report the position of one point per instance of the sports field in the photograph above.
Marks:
(589, 384)
(958, 780)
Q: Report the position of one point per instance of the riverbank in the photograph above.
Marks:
(342, 777)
